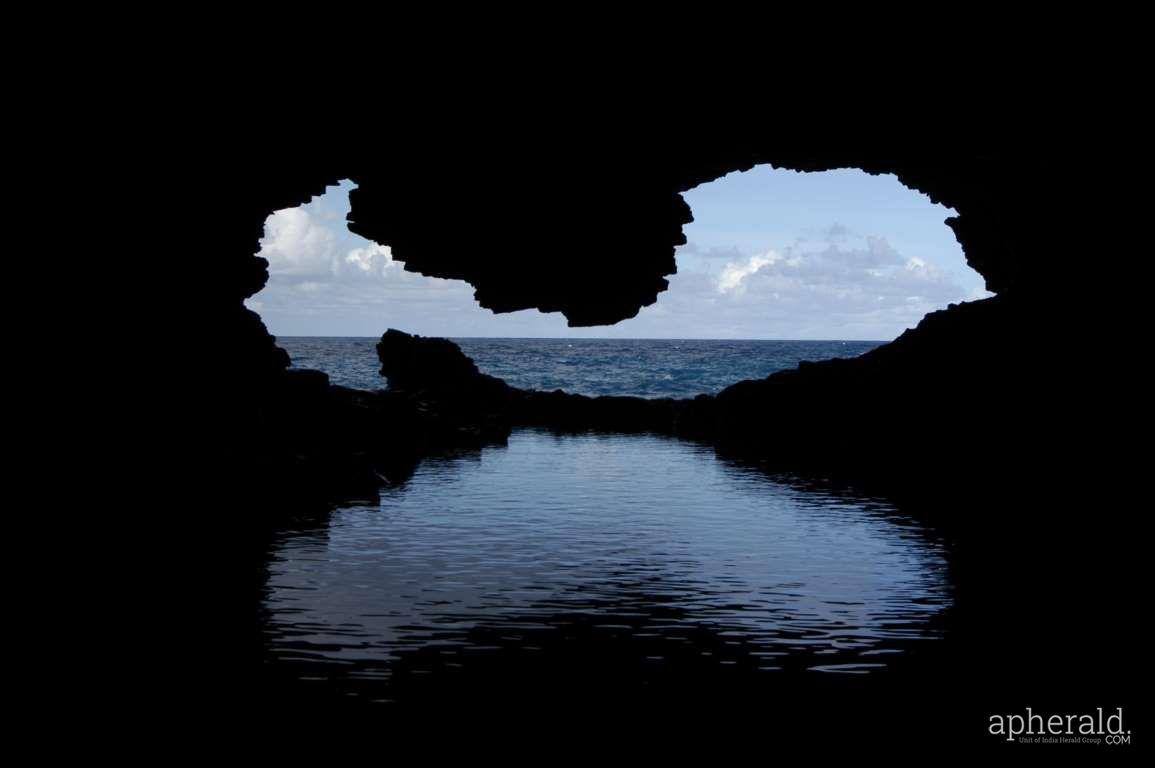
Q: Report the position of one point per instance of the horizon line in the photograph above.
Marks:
(569, 338)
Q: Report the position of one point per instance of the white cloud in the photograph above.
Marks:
(311, 249)
(841, 287)
(734, 273)
(839, 284)
(297, 245)
(373, 259)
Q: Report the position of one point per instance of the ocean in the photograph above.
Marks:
(639, 367)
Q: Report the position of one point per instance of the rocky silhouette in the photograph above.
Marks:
(828, 415)
(997, 419)
(865, 419)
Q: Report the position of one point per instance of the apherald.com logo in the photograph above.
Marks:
(1033, 728)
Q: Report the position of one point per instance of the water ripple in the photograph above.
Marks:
(650, 547)
(640, 367)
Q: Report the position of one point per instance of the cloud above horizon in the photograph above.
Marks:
(736, 278)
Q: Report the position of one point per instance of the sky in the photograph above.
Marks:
(771, 254)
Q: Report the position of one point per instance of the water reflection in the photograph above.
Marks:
(579, 560)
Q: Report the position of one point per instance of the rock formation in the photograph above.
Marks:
(997, 416)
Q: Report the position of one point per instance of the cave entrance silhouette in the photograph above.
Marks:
(836, 255)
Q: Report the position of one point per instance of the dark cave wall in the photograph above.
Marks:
(996, 408)
(589, 230)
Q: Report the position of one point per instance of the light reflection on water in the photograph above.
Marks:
(572, 545)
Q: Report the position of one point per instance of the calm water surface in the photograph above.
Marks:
(642, 551)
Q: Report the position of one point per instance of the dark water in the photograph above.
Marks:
(642, 367)
(633, 556)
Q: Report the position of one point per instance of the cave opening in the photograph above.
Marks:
(778, 267)
(685, 554)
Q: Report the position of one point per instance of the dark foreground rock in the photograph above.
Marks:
(1018, 417)
(321, 441)
(878, 420)
(980, 395)
(441, 375)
